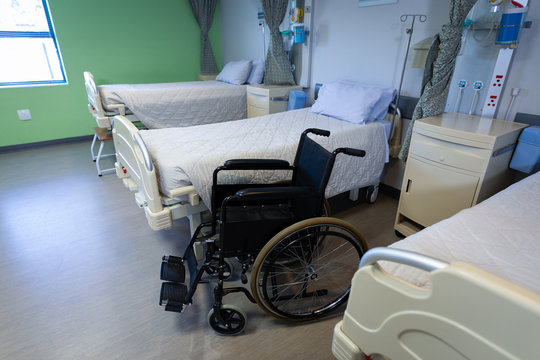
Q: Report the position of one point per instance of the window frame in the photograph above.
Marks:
(51, 34)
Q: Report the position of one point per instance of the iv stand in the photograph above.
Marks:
(403, 18)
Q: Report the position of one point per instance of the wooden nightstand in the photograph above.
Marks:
(455, 161)
(268, 99)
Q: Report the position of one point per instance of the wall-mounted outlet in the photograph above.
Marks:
(24, 114)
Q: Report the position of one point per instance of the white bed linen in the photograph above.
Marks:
(179, 104)
(500, 235)
(185, 156)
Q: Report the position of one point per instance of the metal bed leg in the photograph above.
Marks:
(194, 222)
(353, 194)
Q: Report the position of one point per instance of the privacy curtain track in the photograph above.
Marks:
(439, 69)
(277, 67)
(203, 10)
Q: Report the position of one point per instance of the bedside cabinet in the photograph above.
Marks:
(268, 99)
(455, 161)
(206, 77)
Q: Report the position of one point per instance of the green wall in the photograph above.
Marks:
(119, 41)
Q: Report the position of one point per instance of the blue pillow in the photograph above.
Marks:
(235, 72)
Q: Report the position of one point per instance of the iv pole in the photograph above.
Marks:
(403, 18)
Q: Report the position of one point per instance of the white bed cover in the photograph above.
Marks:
(179, 104)
(185, 156)
(500, 235)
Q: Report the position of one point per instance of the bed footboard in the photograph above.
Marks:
(467, 314)
(134, 166)
(95, 106)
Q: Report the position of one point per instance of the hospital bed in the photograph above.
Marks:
(166, 104)
(464, 288)
(170, 169)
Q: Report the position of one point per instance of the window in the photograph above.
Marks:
(29, 51)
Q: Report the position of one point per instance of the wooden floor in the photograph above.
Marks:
(79, 272)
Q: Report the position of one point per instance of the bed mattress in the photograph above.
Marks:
(499, 235)
(179, 104)
(185, 156)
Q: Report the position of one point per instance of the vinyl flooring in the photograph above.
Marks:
(79, 272)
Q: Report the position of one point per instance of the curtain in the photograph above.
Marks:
(439, 68)
(203, 10)
(277, 67)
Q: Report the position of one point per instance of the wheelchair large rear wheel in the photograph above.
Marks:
(305, 270)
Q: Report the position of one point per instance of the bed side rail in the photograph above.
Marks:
(468, 313)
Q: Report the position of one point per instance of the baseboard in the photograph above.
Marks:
(10, 148)
(389, 191)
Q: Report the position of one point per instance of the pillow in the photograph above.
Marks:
(257, 72)
(235, 72)
(347, 100)
(380, 109)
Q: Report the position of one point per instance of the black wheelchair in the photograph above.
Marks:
(301, 262)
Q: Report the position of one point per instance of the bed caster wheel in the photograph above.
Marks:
(234, 320)
(371, 194)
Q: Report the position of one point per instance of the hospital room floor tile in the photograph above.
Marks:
(79, 272)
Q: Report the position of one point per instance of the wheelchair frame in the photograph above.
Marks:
(307, 248)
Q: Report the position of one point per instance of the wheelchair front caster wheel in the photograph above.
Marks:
(234, 320)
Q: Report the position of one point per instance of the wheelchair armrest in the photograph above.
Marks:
(255, 164)
(275, 193)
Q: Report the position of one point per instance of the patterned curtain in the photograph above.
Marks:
(203, 10)
(439, 68)
(277, 67)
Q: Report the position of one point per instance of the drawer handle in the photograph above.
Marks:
(441, 158)
(409, 182)
(279, 98)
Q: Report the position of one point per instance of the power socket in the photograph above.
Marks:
(24, 114)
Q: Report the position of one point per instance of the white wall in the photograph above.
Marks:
(365, 44)
(241, 37)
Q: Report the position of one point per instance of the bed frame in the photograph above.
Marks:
(467, 314)
(134, 166)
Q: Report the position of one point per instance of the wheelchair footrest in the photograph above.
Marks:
(172, 296)
(172, 269)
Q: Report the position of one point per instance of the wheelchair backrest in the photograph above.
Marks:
(313, 164)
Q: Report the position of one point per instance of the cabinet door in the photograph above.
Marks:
(431, 193)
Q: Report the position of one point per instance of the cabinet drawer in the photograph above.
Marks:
(449, 153)
(256, 100)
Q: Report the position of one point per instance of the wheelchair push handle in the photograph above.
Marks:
(319, 132)
(351, 152)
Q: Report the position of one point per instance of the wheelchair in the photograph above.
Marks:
(300, 261)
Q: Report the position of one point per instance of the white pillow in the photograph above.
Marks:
(347, 100)
(235, 72)
(257, 72)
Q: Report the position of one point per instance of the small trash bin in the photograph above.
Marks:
(526, 157)
(297, 100)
